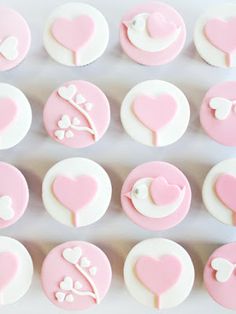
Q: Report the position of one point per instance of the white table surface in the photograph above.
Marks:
(194, 154)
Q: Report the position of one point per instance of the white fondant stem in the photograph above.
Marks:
(90, 280)
(82, 128)
(86, 115)
(84, 293)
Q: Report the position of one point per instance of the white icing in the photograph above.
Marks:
(157, 248)
(224, 269)
(146, 206)
(138, 35)
(222, 107)
(168, 134)
(8, 48)
(75, 167)
(17, 288)
(6, 210)
(21, 124)
(95, 47)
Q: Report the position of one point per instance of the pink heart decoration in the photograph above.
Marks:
(76, 193)
(225, 189)
(8, 111)
(164, 193)
(8, 268)
(73, 34)
(222, 35)
(158, 275)
(159, 27)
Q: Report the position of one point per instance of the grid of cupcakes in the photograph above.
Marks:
(157, 196)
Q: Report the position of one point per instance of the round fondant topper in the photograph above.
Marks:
(153, 33)
(219, 275)
(16, 270)
(155, 113)
(15, 116)
(218, 113)
(77, 114)
(76, 34)
(15, 38)
(159, 273)
(219, 191)
(156, 195)
(76, 192)
(214, 35)
(76, 275)
(14, 195)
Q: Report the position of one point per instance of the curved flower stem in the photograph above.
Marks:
(82, 128)
(90, 280)
(87, 116)
(84, 293)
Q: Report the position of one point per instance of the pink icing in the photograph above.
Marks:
(158, 275)
(155, 112)
(56, 107)
(158, 26)
(73, 34)
(55, 268)
(223, 293)
(15, 186)
(221, 34)
(225, 190)
(8, 111)
(223, 131)
(173, 176)
(9, 267)
(75, 193)
(162, 192)
(13, 24)
(153, 58)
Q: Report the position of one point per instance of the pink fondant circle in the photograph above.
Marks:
(153, 170)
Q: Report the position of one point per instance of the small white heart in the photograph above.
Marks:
(6, 210)
(84, 262)
(76, 121)
(222, 107)
(64, 123)
(69, 298)
(60, 296)
(68, 92)
(80, 99)
(59, 134)
(8, 48)
(223, 267)
(72, 255)
(88, 106)
(78, 285)
(93, 270)
(69, 134)
(66, 284)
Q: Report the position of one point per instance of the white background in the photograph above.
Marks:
(194, 154)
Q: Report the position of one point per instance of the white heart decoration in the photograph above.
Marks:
(85, 262)
(76, 121)
(88, 106)
(69, 298)
(64, 123)
(72, 255)
(78, 285)
(69, 134)
(222, 107)
(66, 284)
(6, 210)
(60, 296)
(67, 93)
(60, 134)
(93, 270)
(8, 48)
(223, 267)
(80, 99)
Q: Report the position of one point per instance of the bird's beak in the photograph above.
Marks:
(128, 195)
(126, 23)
